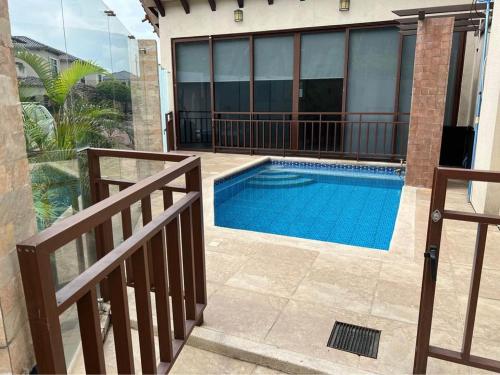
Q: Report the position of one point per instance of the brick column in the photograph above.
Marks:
(17, 220)
(430, 80)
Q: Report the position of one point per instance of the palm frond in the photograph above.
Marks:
(66, 80)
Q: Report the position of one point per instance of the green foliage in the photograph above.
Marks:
(58, 87)
(73, 123)
(113, 90)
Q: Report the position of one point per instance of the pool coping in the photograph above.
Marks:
(405, 216)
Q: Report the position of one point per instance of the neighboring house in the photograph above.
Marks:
(122, 76)
(241, 60)
(59, 61)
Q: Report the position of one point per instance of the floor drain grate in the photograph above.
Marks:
(355, 339)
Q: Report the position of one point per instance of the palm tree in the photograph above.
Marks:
(76, 123)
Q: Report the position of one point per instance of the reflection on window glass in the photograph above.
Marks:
(193, 94)
(273, 74)
(232, 75)
(371, 86)
(405, 89)
(322, 72)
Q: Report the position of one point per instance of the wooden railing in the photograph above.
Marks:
(437, 215)
(349, 135)
(165, 256)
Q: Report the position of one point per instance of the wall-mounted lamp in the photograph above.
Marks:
(344, 5)
(238, 15)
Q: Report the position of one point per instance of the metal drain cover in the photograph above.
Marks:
(354, 339)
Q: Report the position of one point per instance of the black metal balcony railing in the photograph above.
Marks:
(350, 135)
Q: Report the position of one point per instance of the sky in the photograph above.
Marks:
(131, 14)
(85, 31)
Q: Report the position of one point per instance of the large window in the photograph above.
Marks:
(193, 94)
(232, 75)
(321, 72)
(373, 67)
(273, 74)
(356, 80)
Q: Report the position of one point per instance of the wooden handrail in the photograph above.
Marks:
(80, 285)
(150, 260)
(82, 222)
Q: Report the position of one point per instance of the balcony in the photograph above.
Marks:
(164, 256)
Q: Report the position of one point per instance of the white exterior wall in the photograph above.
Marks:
(258, 15)
(486, 197)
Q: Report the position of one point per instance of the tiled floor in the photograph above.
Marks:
(288, 292)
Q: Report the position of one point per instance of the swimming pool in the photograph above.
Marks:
(347, 204)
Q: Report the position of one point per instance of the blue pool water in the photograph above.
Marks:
(352, 205)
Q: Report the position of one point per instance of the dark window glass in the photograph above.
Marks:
(273, 79)
(193, 94)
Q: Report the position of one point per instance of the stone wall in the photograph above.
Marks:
(16, 215)
(432, 61)
(146, 100)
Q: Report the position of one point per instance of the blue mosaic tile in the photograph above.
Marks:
(348, 204)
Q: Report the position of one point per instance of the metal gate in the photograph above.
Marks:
(436, 216)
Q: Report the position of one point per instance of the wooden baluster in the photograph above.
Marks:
(475, 282)
(193, 183)
(188, 264)
(41, 306)
(168, 198)
(146, 218)
(143, 307)
(127, 232)
(90, 332)
(106, 243)
(162, 298)
(121, 321)
(175, 278)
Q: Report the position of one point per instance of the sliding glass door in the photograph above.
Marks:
(232, 91)
(193, 94)
(371, 88)
(273, 90)
(322, 62)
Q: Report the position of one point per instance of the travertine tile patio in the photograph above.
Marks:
(288, 292)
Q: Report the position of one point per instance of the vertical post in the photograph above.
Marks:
(121, 321)
(161, 297)
(188, 264)
(251, 104)
(395, 116)
(143, 306)
(90, 333)
(475, 282)
(435, 225)
(146, 218)
(212, 88)
(194, 183)
(295, 91)
(175, 278)
(41, 305)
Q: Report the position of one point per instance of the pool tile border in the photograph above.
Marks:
(374, 169)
